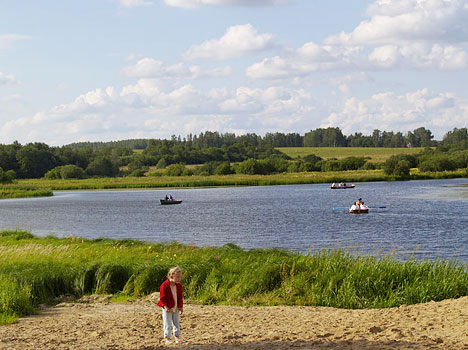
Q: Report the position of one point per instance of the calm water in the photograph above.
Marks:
(425, 218)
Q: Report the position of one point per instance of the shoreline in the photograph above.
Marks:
(99, 324)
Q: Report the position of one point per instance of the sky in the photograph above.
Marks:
(107, 70)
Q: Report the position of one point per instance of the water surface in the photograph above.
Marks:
(425, 219)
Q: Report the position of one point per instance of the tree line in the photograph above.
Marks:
(321, 137)
(227, 153)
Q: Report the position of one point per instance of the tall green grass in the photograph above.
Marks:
(43, 187)
(37, 270)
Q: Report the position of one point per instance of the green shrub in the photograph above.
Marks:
(174, 170)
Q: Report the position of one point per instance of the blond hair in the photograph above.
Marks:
(173, 270)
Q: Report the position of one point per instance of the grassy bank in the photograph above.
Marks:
(223, 180)
(24, 193)
(38, 270)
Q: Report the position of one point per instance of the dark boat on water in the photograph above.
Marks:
(169, 201)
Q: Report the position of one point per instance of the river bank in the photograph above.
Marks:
(94, 323)
(154, 182)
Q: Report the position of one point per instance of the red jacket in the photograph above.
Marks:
(166, 298)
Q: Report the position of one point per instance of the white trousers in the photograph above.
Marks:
(171, 319)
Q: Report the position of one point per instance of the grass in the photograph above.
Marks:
(38, 270)
(222, 180)
(23, 193)
(376, 154)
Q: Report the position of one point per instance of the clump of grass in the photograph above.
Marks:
(15, 300)
(38, 270)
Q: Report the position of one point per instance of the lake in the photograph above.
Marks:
(424, 219)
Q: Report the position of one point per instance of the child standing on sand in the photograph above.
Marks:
(171, 301)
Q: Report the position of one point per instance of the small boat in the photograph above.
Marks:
(359, 211)
(335, 186)
(169, 201)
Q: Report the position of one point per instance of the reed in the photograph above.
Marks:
(223, 180)
(38, 270)
(45, 187)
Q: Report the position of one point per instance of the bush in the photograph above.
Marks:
(138, 173)
(71, 172)
(224, 169)
(397, 165)
(7, 176)
(437, 163)
(249, 167)
(174, 170)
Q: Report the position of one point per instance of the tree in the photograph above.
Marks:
(102, 166)
(7, 177)
(35, 159)
(420, 137)
(397, 165)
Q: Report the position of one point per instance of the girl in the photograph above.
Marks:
(171, 301)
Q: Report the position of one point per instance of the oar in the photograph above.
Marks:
(378, 207)
(336, 208)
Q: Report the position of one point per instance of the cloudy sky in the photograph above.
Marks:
(102, 70)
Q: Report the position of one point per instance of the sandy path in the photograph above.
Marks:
(100, 325)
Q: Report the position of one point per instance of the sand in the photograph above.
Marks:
(95, 324)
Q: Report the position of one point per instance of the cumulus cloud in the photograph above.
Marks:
(134, 3)
(225, 3)
(7, 79)
(408, 34)
(237, 41)
(388, 111)
(144, 109)
(409, 20)
(151, 68)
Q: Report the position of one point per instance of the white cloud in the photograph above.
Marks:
(134, 3)
(225, 3)
(7, 40)
(406, 34)
(7, 79)
(390, 112)
(151, 68)
(146, 110)
(306, 60)
(409, 20)
(237, 41)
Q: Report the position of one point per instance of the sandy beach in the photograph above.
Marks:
(96, 324)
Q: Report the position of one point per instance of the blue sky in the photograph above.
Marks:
(107, 70)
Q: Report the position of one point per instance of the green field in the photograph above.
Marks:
(376, 154)
(40, 270)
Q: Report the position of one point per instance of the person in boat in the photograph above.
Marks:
(354, 207)
(170, 197)
(166, 198)
(359, 202)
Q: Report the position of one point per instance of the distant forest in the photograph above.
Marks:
(216, 153)
(322, 137)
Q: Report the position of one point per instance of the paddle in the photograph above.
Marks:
(336, 208)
